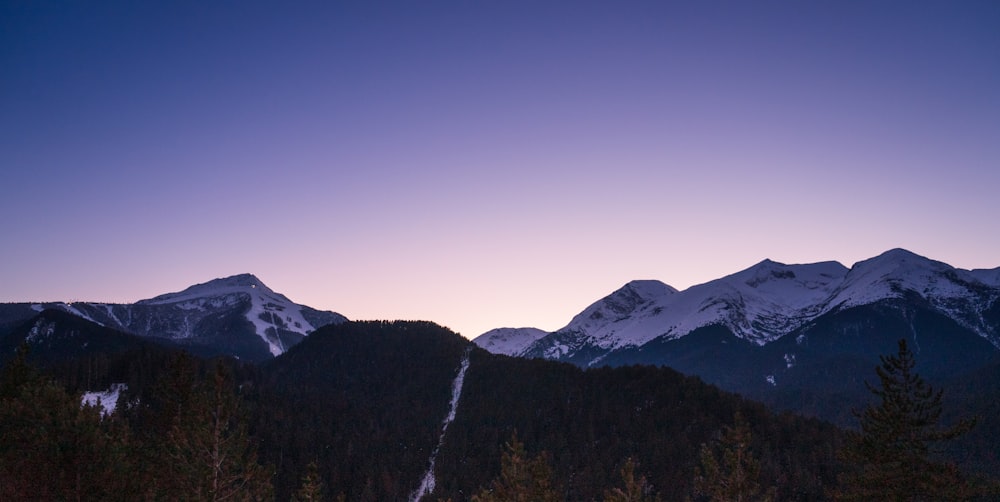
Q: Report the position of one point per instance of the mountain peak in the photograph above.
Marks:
(629, 297)
(897, 257)
(892, 274)
(215, 287)
(239, 281)
(895, 263)
(276, 319)
(247, 278)
(509, 341)
(649, 288)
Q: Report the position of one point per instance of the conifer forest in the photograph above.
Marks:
(356, 411)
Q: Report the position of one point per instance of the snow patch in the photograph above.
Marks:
(68, 307)
(41, 329)
(111, 313)
(428, 481)
(106, 399)
(789, 361)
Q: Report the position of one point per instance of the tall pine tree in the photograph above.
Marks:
(729, 472)
(203, 450)
(892, 457)
(522, 479)
(635, 489)
(51, 446)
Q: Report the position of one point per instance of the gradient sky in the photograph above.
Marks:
(486, 163)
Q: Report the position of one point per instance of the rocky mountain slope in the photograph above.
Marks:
(801, 337)
(236, 315)
(762, 304)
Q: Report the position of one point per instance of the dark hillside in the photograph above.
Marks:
(976, 394)
(84, 355)
(835, 355)
(590, 421)
(364, 400)
(13, 315)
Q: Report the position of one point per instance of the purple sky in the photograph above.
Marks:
(486, 163)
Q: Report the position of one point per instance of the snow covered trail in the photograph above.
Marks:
(427, 483)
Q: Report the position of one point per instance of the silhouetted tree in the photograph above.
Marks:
(206, 453)
(729, 472)
(890, 458)
(522, 479)
(51, 446)
(311, 488)
(634, 489)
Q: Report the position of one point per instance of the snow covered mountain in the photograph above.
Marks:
(510, 341)
(762, 304)
(797, 337)
(236, 315)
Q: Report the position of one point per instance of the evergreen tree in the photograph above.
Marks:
(729, 472)
(51, 446)
(891, 458)
(311, 489)
(522, 479)
(634, 490)
(206, 453)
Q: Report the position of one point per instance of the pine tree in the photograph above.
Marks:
(52, 447)
(635, 490)
(735, 476)
(521, 479)
(891, 457)
(206, 452)
(311, 489)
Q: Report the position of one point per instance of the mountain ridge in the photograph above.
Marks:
(800, 338)
(237, 315)
(769, 300)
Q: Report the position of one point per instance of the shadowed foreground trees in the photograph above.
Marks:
(189, 442)
(206, 453)
(51, 447)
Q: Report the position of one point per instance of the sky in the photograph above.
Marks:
(481, 163)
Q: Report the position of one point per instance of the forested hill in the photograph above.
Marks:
(356, 410)
(366, 401)
(589, 422)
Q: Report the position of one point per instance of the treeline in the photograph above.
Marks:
(354, 412)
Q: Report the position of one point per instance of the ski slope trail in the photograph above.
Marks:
(427, 483)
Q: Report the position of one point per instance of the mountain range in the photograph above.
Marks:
(760, 305)
(768, 332)
(237, 316)
(365, 400)
(796, 336)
